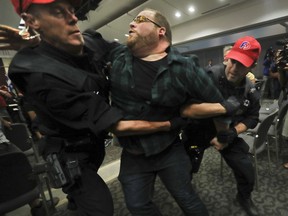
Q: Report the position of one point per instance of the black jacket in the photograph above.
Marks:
(69, 93)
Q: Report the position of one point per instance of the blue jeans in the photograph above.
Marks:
(138, 174)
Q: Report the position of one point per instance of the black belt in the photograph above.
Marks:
(79, 143)
(83, 140)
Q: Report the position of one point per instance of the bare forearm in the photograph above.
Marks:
(5, 123)
(203, 110)
(137, 127)
(240, 128)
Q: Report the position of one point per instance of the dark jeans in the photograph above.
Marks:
(236, 156)
(138, 173)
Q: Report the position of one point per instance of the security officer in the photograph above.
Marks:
(232, 81)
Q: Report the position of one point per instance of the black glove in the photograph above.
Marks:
(231, 105)
(227, 136)
(178, 123)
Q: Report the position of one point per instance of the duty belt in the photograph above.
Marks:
(78, 141)
(56, 144)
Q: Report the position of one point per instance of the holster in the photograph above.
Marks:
(62, 170)
(56, 174)
(196, 138)
(63, 158)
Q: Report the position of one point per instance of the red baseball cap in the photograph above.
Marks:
(26, 3)
(246, 50)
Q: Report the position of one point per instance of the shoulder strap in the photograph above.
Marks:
(30, 61)
(248, 87)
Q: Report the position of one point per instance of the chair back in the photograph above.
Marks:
(18, 185)
(259, 85)
(261, 134)
(19, 135)
(281, 117)
(282, 97)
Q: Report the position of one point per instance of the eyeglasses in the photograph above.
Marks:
(141, 18)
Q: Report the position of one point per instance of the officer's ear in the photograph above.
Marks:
(30, 20)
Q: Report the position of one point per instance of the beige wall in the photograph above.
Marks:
(6, 62)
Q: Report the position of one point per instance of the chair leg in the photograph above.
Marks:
(277, 149)
(256, 170)
(53, 209)
(269, 155)
(44, 200)
(48, 210)
(221, 166)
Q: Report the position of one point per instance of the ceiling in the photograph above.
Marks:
(112, 17)
(212, 21)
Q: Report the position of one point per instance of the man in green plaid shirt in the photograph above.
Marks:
(151, 81)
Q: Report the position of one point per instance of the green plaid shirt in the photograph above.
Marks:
(176, 84)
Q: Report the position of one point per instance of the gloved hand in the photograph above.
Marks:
(227, 136)
(217, 145)
(178, 123)
(231, 105)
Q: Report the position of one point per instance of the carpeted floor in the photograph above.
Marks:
(219, 193)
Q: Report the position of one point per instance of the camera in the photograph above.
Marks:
(282, 54)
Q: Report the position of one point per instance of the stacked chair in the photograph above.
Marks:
(22, 181)
(258, 140)
(18, 184)
(276, 131)
(268, 133)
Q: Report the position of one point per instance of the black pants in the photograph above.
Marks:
(91, 195)
(236, 156)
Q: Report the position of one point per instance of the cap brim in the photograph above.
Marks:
(73, 2)
(42, 1)
(240, 57)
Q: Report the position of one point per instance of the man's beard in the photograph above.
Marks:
(132, 41)
(138, 41)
